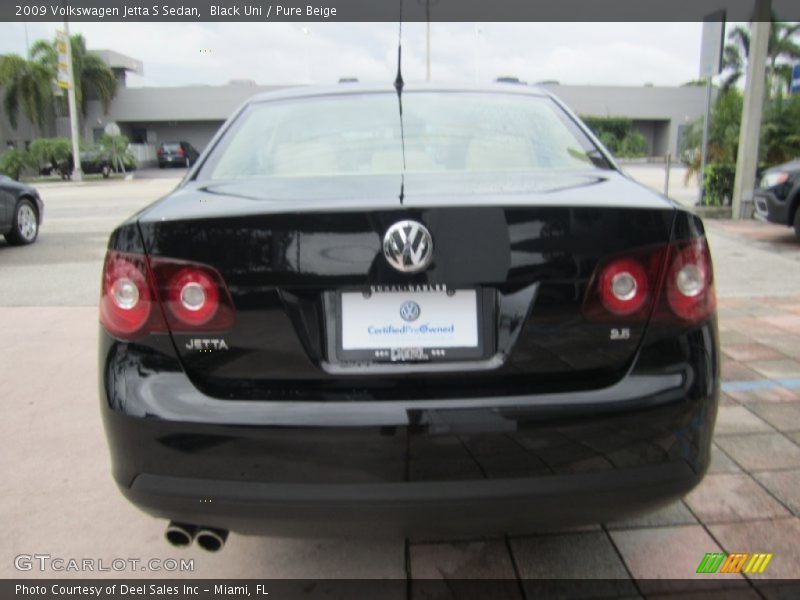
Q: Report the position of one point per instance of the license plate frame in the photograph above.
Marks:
(484, 309)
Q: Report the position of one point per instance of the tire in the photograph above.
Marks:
(106, 171)
(25, 227)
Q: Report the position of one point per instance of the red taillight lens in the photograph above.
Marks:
(623, 287)
(179, 152)
(690, 281)
(192, 296)
(126, 301)
(195, 297)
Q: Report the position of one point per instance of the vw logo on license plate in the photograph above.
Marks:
(409, 311)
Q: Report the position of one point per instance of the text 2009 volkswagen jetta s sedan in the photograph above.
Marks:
(455, 317)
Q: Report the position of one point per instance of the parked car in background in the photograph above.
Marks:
(458, 318)
(176, 154)
(777, 197)
(92, 162)
(21, 212)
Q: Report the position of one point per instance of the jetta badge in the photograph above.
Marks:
(408, 246)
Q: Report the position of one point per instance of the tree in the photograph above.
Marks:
(116, 147)
(780, 132)
(723, 133)
(783, 49)
(90, 72)
(27, 86)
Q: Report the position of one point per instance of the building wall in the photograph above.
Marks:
(673, 105)
(194, 113)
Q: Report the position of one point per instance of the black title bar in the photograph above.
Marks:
(386, 10)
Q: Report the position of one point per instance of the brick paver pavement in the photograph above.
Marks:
(748, 502)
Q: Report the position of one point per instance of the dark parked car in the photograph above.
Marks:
(180, 154)
(92, 162)
(777, 198)
(21, 212)
(470, 323)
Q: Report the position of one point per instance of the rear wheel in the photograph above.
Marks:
(26, 224)
(106, 171)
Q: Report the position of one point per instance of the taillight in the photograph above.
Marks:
(127, 299)
(179, 152)
(194, 297)
(690, 281)
(629, 287)
(623, 287)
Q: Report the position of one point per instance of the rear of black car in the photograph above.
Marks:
(245, 377)
(180, 154)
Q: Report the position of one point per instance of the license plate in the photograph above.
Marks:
(416, 325)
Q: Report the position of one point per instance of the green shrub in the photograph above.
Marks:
(13, 162)
(634, 145)
(50, 150)
(618, 127)
(618, 135)
(609, 140)
(718, 184)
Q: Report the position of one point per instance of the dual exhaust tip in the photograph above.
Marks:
(182, 535)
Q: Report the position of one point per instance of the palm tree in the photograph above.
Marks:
(90, 72)
(27, 86)
(782, 50)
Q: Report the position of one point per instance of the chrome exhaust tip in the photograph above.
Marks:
(180, 534)
(211, 540)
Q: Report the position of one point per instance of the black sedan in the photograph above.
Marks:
(21, 212)
(92, 162)
(458, 318)
(777, 198)
(176, 154)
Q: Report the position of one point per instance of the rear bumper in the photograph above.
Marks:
(412, 508)
(415, 467)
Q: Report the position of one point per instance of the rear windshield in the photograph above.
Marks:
(361, 134)
(170, 147)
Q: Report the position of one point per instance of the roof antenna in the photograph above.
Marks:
(398, 85)
(398, 82)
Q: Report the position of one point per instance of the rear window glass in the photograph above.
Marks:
(170, 147)
(361, 134)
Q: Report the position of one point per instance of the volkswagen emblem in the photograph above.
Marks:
(408, 246)
(409, 311)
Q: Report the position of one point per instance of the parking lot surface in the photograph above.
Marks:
(60, 499)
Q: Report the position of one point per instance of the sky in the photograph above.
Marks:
(290, 53)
